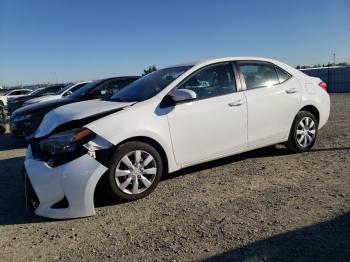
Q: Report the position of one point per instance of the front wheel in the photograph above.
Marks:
(135, 171)
(303, 133)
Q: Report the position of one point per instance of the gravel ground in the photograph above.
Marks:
(267, 205)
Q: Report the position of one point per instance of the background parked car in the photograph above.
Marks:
(25, 121)
(4, 96)
(68, 90)
(2, 120)
(17, 102)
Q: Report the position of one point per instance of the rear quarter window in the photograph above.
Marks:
(283, 76)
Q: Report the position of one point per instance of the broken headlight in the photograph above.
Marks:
(66, 142)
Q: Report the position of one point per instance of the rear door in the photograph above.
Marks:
(273, 97)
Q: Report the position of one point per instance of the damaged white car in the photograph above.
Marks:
(170, 119)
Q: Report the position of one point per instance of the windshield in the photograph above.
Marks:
(63, 89)
(35, 91)
(149, 85)
(51, 90)
(85, 89)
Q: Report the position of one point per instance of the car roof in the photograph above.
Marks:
(20, 89)
(203, 63)
(121, 77)
(116, 77)
(224, 59)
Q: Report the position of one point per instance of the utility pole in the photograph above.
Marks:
(333, 58)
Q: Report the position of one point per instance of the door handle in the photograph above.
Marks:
(291, 91)
(236, 103)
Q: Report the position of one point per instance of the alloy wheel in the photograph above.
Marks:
(306, 132)
(135, 172)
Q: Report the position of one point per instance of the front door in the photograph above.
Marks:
(213, 125)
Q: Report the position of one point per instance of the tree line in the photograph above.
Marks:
(323, 65)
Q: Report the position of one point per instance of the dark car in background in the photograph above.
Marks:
(2, 120)
(25, 121)
(17, 102)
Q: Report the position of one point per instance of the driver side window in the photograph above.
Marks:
(211, 81)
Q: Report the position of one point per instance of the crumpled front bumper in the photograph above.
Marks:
(76, 181)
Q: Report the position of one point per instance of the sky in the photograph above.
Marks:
(53, 41)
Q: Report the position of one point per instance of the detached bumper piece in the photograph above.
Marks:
(32, 200)
(65, 191)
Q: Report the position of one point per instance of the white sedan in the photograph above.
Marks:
(167, 120)
(4, 96)
(66, 91)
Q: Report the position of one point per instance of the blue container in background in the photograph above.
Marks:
(337, 78)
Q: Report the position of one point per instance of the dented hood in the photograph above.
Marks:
(76, 111)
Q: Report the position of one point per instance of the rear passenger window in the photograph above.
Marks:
(282, 75)
(258, 74)
(211, 81)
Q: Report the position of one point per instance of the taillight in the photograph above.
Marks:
(323, 85)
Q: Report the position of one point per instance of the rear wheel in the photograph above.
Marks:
(135, 171)
(303, 133)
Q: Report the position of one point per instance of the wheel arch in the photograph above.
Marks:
(308, 107)
(151, 142)
(312, 109)
(99, 188)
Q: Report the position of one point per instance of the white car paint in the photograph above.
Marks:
(53, 184)
(262, 104)
(13, 94)
(191, 143)
(189, 133)
(54, 96)
(75, 111)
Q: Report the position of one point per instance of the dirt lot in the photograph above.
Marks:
(267, 205)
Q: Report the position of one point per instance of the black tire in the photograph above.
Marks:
(122, 151)
(292, 144)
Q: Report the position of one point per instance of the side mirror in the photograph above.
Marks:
(182, 95)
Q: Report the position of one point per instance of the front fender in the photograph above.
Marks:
(141, 120)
